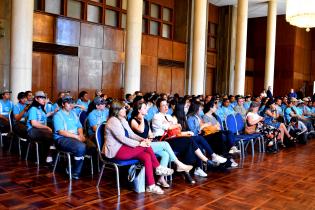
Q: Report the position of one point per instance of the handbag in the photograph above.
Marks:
(138, 179)
(170, 133)
(210, 130)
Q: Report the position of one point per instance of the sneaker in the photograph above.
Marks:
(49, 159)
(183, 167)
(218, 159)
(234, 150)
(155, 189)
(270, 144)
(233, 164)
(188, 178)
(200, 172)
(163, 171)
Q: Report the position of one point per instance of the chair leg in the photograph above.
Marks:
(101, 174)
(98, 164)
(56, 162)
(117, 179)
(253, 148)
(19, 145)
(69, 166)
(37, 153)
(1, 143)
(92, 169)
(11, 139)
(28, 149)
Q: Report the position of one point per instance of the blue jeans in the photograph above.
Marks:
(76, 147)
(164, 150)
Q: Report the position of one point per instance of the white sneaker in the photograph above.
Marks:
(234, 150)
(233, 164)
(49, 159)
(200, 172)
(218, 159)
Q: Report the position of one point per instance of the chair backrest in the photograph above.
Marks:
(99, 136)
(221, 123)
(83, 115)
(231, 123)
(239, 122)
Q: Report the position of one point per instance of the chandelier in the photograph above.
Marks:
(301, 13)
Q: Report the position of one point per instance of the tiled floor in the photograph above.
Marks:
(268, 181)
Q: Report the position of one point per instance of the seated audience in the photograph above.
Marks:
(37, 128)
(20, 116)
(68, 134)
(122, 143)
(6, 106)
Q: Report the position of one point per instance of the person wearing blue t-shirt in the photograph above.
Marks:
(97, 116)
(6, 107)
(20, 115)
(68, 134)
(83, 101)
(36, 124)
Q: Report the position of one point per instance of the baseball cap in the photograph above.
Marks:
(3, 91)
(67, 99)
(99, 100)
(40, 94)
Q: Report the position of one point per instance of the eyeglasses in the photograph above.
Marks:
(42, 97)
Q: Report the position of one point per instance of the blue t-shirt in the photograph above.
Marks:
(36, 113)
(5, 107)
(193, 124)
(247, 104)
(151, 112)
(85, 104)
(18, 108)
(223, 111)
(65, 121)
(287, 115)
(96, 117)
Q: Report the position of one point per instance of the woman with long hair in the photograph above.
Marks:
(123, 144)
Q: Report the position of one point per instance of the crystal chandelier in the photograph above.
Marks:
(301, 13)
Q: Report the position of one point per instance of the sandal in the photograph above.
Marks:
(291, 138)
(164, 185)
(155, 189)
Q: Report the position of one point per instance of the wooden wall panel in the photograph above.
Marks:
(167, 3)
(90, 76)
(149, 45)
(250, 64)
(43, 28)
(213, 14)
(67, 32)
(211, 60)
(209, 81)
(42, 73)
(165, 49)
(113, 39)
(66, 69)
(179, 51)
(91, 35)
(178, 81)
(164, 82)
(148, 73)
(249, 85)
(112, 79)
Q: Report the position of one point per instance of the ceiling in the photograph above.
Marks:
(256, 8)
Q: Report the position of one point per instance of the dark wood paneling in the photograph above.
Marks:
(113, 39)
(91, 35)
(67, 32)
(165, 49)
(213, 14)
(55, 48)
(43, 28)
(209, 81)
(179, 51)
(149, 45)
(164, 82)
(149, 77)
(112, 79)
(178, 81)
(166, 3)
(42, 72)
(90, 76)
(66, 70)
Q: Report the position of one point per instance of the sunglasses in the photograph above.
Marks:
(42, 97)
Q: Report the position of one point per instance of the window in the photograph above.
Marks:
(154, 28)
(166, 31)
(166, 14)
(53, 6)
(94, 14)
(212, 36)
(74, 9)
(158, 20)
(111, 18)
(155, 11)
